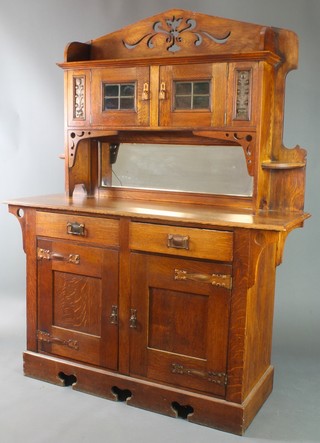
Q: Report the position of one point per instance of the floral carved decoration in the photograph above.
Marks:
(173, 30)
(79, 98)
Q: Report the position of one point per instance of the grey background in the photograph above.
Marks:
(33, 35)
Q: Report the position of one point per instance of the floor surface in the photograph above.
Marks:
(32, 411)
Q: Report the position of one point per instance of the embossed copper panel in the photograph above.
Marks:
(79, 88)
(243, 96)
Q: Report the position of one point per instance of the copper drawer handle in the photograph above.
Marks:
(75, 228)
(178, 241)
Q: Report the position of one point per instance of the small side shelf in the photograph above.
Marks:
(282, 165)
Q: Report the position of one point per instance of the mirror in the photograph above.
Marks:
(198, 169)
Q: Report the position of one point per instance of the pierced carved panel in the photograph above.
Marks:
(172, 32)
(243, 94)
(79, 87)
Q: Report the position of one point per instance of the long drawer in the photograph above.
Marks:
(186, 242)
(77, 227)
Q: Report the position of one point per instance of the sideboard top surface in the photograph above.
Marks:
(169, 212)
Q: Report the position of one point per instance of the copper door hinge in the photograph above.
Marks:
(46, 337)
(46, 254)
(219, 280)
(220, 378)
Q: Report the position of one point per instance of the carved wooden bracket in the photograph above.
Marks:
(19, 213)
(280, 249)
(260, 242)
(75, 136)
(245, 139)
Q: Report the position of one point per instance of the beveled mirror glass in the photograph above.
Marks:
(198, 169)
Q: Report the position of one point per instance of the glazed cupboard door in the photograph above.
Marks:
(120, 97)
(193, 96)
(179, 321)
(77, 302)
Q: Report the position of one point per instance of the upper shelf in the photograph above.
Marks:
(282, 165)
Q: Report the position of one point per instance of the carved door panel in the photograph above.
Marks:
(193, 95)
(77, 302)
(179, 322)
(120, 97)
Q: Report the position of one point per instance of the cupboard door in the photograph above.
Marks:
(77, 302)
(120, 97)
(193, 95)
(179, 322)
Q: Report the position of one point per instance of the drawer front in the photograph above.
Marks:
(186, 242)
(79, 228)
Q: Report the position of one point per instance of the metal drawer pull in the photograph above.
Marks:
(46, 254)
(48, 338)
(75, 228)
(220, 280)
(133, 319)
(145, 92)
(162, 92)
(178, 241)
(114, 315)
